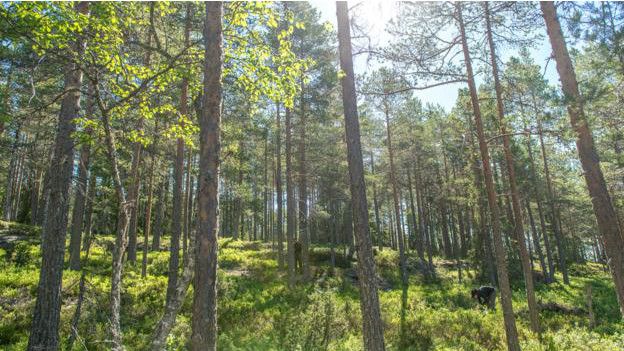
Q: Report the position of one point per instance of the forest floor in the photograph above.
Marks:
(258, 312)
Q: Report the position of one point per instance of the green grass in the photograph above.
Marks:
(258, 312)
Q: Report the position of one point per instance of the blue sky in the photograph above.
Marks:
(374, 14)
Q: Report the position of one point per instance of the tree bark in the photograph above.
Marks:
(80, 197)
(279, 226)
(601, 200)
(369, 300)
(395, 197)
(204, 320)
(511, 173)
(44, 333)
(376, 206)
(265, 189)
(8, 193)
(536, 242)
(291, 210)
(160, 214)
(148, 208)
(187, 203)
(550, 273)
(178, 175)
(501, 261)
(91, 193)
(172, 308)
(304, 231)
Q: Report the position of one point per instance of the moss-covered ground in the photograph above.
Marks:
(256, 310)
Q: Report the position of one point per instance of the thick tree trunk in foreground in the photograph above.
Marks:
(369, 300)
(499, 251)
(601, 201)
(511, 173)
(44, 333)
(204, 321)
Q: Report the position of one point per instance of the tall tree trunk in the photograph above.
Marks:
(304, 231)
(291, 210)
(133, 196)
(515, 197)
(501, 261)
(79, 207)
(148, 208)
(238, 202)
(178, 175)
(395, 197)
(279, 226)
(265, 189)
(8, 193)
(83, 275)
(601, 201)
(550, 273)
(160, 214)
(91, 193)
(44, 333)
(444, 211)
(123, 219)
(422, 223)
(34, 195)
(135, 185)
(536, 242)
(168, 319)
(186, 202)
(563, 266)
(204, 321)
(369, 300)
(45, 192)
(80, 197)
(376, 206)
(19, 181)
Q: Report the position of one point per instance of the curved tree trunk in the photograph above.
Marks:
(601, 200)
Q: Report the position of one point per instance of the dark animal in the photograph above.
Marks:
(298, 260)
(486, 295)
